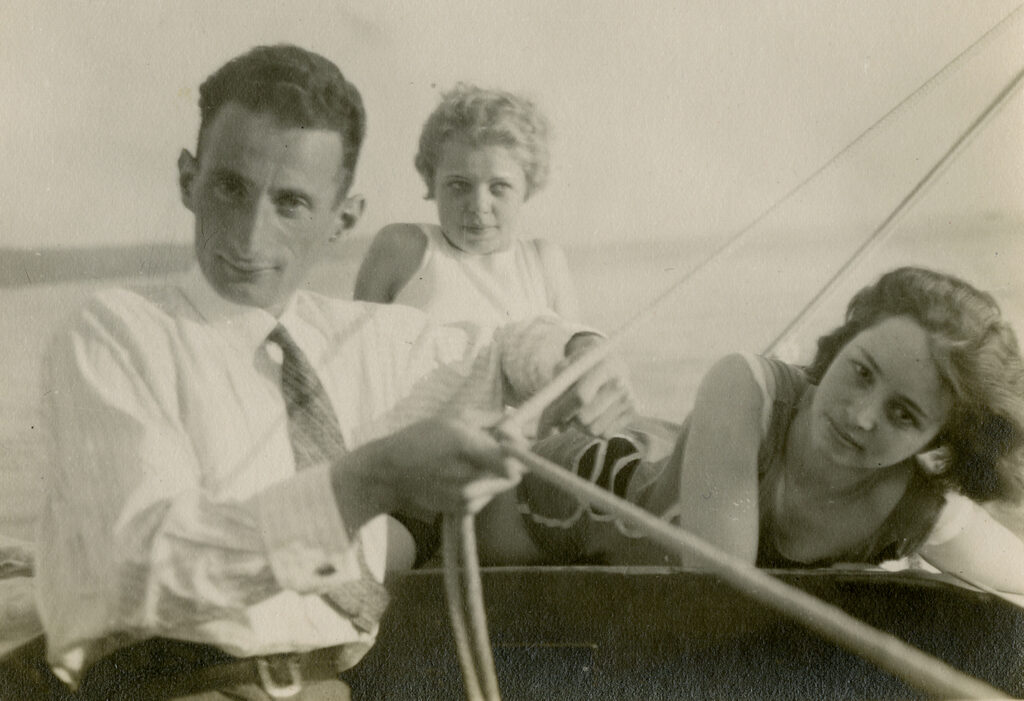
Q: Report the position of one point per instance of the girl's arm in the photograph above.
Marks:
(714, 483)
(394, 256)
(717, 474)
(984, 551)
(559, 282)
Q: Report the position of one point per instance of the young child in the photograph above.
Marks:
(910, 415)
(482, 154)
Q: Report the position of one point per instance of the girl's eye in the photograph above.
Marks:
(861, 371)
(458, 186)
(500, 188)
(902, 417)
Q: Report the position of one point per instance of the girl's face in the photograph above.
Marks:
(479, 191)
(882, 399)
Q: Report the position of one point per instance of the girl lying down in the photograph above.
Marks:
(910, 416)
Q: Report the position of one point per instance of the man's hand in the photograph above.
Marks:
(601, 401)
(437, 465)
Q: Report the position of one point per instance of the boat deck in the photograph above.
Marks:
(653, 633)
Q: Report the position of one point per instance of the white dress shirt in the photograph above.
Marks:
(172, 503)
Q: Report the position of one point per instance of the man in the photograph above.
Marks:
(225, 450)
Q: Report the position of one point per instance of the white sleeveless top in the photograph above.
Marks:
(452, 286)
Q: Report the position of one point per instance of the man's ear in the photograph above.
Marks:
(351, 209)
(188, 166)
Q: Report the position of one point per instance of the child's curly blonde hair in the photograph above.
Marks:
(486, 117)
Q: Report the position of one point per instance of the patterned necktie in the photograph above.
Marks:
(316, 439)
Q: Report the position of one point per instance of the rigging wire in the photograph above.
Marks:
(532, 407)
(888, 226)
(926, 87)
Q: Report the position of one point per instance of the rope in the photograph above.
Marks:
(915, 667)
(475, 609)
(464, 594)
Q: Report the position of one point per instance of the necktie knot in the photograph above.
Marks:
(281, 338)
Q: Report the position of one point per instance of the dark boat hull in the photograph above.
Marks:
(611, 633)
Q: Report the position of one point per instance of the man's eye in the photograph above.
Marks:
(291, 205)
(229, 189)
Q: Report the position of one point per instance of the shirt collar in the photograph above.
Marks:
(244, 326)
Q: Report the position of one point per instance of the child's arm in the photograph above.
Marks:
(984, 551)
(559, 282)
(394, 256)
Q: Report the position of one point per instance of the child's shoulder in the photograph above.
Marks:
(394, 256)
(402, 235)
(551, 255)
(546, 247)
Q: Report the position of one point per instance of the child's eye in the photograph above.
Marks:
(458, 186)
(500, 188)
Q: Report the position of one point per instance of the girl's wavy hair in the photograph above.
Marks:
(977, 355)
(485, 118)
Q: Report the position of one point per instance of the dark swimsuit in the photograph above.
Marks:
(559, 525)
(902, 532)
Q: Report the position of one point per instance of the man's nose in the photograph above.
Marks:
(253, 227)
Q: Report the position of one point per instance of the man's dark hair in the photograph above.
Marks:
(298, 87)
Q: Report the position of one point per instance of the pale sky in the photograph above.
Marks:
(671, 119)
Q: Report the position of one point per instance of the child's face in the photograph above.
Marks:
(479, 191)
(882, 399)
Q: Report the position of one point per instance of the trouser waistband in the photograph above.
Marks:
(161, 668)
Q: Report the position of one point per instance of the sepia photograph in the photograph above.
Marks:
(512, 350)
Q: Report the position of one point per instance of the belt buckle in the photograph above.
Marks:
(275, 690)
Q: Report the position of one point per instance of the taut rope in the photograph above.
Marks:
(906, 662)
(923, 671)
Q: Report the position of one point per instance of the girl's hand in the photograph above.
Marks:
(600, 402)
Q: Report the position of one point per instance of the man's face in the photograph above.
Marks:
(267, 199)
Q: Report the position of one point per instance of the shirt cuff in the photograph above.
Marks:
(306, 541)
